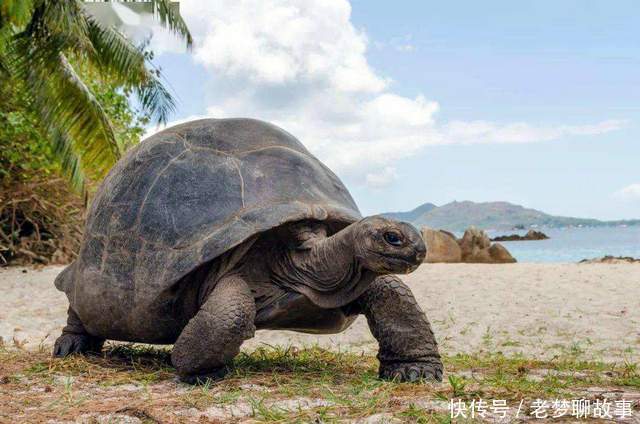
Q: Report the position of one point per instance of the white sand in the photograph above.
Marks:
(540, 310)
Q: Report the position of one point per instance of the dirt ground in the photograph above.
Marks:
(514, 332)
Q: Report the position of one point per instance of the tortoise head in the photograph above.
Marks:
(388, 246)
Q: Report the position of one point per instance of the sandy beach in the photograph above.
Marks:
(540, 310)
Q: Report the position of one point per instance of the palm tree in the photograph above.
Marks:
(39, 41)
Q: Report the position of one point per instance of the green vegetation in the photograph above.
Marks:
(40, 217)
(53, 55)
(25, 150)
(275, 384)
(68, 85)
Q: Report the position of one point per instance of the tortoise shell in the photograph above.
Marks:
(185, 196)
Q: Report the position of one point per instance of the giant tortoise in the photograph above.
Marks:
(212, 229)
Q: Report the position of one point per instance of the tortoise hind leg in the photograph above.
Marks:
(75, 339)
(213, 337)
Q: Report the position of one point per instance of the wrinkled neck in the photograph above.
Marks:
(330, 261)
(328, 272)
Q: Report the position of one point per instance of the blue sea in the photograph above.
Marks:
(575, 244)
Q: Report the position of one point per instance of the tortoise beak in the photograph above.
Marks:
(417, 243)
(421, 252)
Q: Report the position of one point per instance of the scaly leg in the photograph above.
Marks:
(408, 349)
(75, 339)
(212, 338)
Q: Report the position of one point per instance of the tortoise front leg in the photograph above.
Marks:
(213, 337)
(75, 339)
(408, 349)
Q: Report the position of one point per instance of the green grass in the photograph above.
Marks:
(268, 382)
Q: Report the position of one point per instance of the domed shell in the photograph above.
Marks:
(190, 193)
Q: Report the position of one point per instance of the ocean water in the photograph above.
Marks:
(575, 244)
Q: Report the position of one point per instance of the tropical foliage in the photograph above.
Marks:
(40, 218)
(26, 152)
(46, 48)
(74, 95)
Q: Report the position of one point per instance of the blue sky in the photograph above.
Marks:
(535, 103)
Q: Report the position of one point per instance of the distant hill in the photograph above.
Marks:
(457, 216)
(414, 214)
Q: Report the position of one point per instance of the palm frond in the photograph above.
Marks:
(169, 15)
(64, 17)
(62, 20)
(77, 113)
(15, 12)
(4, 66)
(154, 97)
(8, 17)
(127, 65)
(70, 161)
(63, 101)
(116, 55)
(36, 37)
(4, 69)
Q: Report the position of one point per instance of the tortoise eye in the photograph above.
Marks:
(392, 238)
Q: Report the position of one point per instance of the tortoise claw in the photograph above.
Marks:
(204, 378)
(69, 343)
(411, 371)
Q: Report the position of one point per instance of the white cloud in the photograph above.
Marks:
(280, 42)
(488, 132)
(631, 192)
(405, 47)
(383, 178)
(403, 44)
(302, 66)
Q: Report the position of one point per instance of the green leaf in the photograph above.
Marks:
(70, 161)
(168, 13)
(36, 39)
(63, 102)
(126, 64)
(15, 12)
